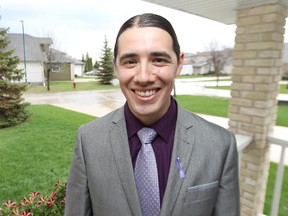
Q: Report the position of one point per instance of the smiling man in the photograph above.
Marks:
(151, 157)
(146, 67)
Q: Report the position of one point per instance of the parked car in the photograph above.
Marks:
(92, 73)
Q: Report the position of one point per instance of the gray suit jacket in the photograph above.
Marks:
(101, 180)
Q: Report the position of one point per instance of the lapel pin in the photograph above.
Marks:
(180, 168)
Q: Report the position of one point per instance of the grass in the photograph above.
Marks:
(282, 116)
(215, 80)
(206, 105)
(283, 207)
(68, 86)
(36, 154)
(222, 78)
(283, 88)
(190, 76)
(219, 107)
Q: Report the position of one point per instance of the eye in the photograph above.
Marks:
(160, 60)
(129, 62)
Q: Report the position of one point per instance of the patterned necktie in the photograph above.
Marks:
(146, 174)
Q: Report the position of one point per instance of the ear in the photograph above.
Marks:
(180, 63)
(115, 68)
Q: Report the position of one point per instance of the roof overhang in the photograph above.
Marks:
(223, 11)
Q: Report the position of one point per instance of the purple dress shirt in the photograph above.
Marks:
(162, 144)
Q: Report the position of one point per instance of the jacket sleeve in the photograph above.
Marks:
(78, 201)
(228, 198)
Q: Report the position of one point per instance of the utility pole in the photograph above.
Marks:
(24, 50)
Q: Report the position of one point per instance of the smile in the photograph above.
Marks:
(146, 93)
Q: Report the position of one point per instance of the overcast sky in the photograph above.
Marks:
(78, 27)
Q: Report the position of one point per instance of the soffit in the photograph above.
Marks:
(223, 11)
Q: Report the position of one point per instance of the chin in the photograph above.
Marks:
(148, 111)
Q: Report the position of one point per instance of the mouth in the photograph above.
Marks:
(147, 93)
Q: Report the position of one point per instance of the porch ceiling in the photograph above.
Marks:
(223, 11)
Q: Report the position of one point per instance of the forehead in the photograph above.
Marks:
(145, 38)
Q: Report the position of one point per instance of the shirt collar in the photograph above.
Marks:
(169, 118)
(133, 124)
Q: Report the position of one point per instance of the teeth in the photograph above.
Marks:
(146, 93)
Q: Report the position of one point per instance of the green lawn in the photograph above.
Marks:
(215, 80)
(219, 107)
(190, 76)
(36, 154)
(68, 86)
(283, 208)
(203, 76)
(206, 105)
(283, 88)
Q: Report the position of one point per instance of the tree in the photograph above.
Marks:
(12, 107)
(51, 57)
(218, 58)
(106, 64)
(96, 65)
(88, 63)
(48, 63)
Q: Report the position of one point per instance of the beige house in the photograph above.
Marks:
(201, 63)
(187, 68)
(64, 67)
(34, 58)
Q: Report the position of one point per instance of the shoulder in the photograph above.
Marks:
(202, 127)
(103, 123)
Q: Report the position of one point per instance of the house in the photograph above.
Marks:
(196, 64)
(63, 67)
(204, 61)
(228, 66)
(201, 68)
(79, 67)
(187, 68)
(285, 61)
(32, 57)
(37, 54)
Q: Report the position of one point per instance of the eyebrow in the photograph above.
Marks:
(161, 54)
(154, 54)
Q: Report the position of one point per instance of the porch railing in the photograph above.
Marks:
(242, 142)
(280, 138)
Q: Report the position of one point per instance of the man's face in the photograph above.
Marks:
(146, 67)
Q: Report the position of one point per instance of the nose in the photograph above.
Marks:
(144, 74)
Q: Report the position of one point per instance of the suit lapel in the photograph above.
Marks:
(121, 153)
(184, 140)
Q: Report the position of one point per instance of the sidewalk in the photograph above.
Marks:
(196, 86)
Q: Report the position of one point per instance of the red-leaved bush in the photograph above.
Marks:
(37, 205)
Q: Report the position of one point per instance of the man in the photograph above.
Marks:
(197, 171)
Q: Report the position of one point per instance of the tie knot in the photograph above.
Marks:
(146, 135)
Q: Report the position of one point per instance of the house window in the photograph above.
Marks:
(55, 69)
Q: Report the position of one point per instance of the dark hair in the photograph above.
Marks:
(149, 20)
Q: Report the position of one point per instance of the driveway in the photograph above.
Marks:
(95, 103)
